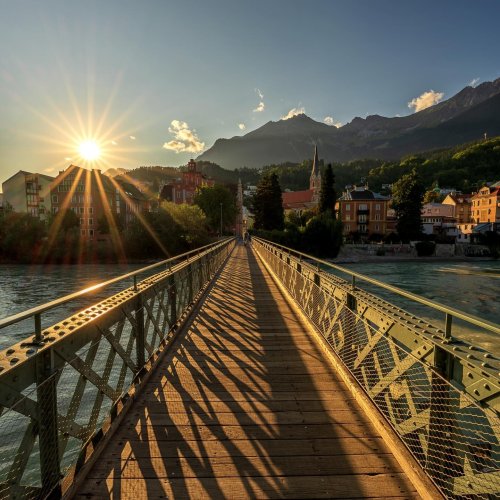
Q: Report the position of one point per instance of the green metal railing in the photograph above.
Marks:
(440, 394)
(58, 387)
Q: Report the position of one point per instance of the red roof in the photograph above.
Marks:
(297, 198)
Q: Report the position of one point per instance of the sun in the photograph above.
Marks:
(89, 150)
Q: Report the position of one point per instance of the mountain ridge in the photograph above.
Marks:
(374, 136)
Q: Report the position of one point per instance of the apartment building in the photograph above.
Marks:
(28, 192)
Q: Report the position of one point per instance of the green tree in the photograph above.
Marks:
(407, 200)
(209, 199)
(267, 204)
(191, 220)
(327, 196)
(323, 236)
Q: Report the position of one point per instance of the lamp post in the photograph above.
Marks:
(221, 220)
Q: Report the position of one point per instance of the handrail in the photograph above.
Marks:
(487, 325)
(34, 311)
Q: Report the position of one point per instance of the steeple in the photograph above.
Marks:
(315, 179)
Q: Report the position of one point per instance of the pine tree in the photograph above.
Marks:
(267, 204)
(327, 196)
(407, 199)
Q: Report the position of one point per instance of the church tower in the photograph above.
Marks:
(315, 179)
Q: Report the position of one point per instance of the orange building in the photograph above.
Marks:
(365, 212)
(183, 190)
(486, 205)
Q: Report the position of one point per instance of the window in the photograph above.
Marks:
(362, 218)
(377, 216)
(55, 210)
(348, 206)
(377, 206)
(82, 222)
(55, 198)
(90, 210)
(347, 217)
(81, 210)
(83, 232)
(91, 222)
(91, 232)
(348, 228)
(377, 228)
(363, 206)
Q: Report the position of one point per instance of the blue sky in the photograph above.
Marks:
(138, 76)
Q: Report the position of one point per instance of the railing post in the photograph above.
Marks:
(447, 325)
(173, 300)
(190, 282)
(140, 333)
(38, 328)
(48, 438)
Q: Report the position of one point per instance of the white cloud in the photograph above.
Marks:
(260, 94)
(426, 100)
(133, 137)
(242, 126)
(260, 107)
(330, 121)
(294, 112)
(185, 139)
(474, 82)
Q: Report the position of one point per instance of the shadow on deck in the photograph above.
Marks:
(246, 406)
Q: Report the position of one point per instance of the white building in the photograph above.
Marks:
(29, 193)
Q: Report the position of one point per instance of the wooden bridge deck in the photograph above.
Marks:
(246, 406)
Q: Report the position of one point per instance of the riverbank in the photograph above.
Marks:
(372, 259)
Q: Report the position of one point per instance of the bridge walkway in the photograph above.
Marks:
(245, 405)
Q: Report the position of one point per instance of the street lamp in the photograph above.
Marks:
(221, 220)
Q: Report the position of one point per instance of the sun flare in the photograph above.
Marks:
(89, 150)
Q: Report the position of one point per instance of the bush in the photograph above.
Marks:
(323, 236)
(425, 248)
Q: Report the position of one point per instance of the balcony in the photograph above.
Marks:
(365, 211)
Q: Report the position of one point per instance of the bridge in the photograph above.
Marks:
(248, 372)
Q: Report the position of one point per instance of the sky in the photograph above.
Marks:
(157, 82)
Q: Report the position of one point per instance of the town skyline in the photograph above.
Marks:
(138, 81)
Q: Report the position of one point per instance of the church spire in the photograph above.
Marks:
(315, 168)
(315, 179)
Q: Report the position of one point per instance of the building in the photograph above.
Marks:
(28, 192)
(486, 205)
(439, 219)
(298, 201)
(461, 204)
(132, 201)
(95, 199)
(365, 212)
(184, 189)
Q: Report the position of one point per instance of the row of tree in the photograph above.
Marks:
(166, 231)
(317, 231)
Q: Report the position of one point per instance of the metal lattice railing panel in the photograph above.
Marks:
(56, 394)
(415, 378)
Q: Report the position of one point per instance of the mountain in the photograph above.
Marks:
(114, 172)
(464, 117)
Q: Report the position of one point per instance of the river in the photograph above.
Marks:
(470, 287)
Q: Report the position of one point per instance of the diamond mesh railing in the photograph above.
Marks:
(440, 394)
(60, 386)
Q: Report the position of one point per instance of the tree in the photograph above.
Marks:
(192, 221)
(407, 200)
(327, 196)
(209, 199)
(267, 204)
(323, 236)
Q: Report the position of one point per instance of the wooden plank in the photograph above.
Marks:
(152, 445)
(196, 417)
(256, 432)
(340, 486)
(155, 468)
